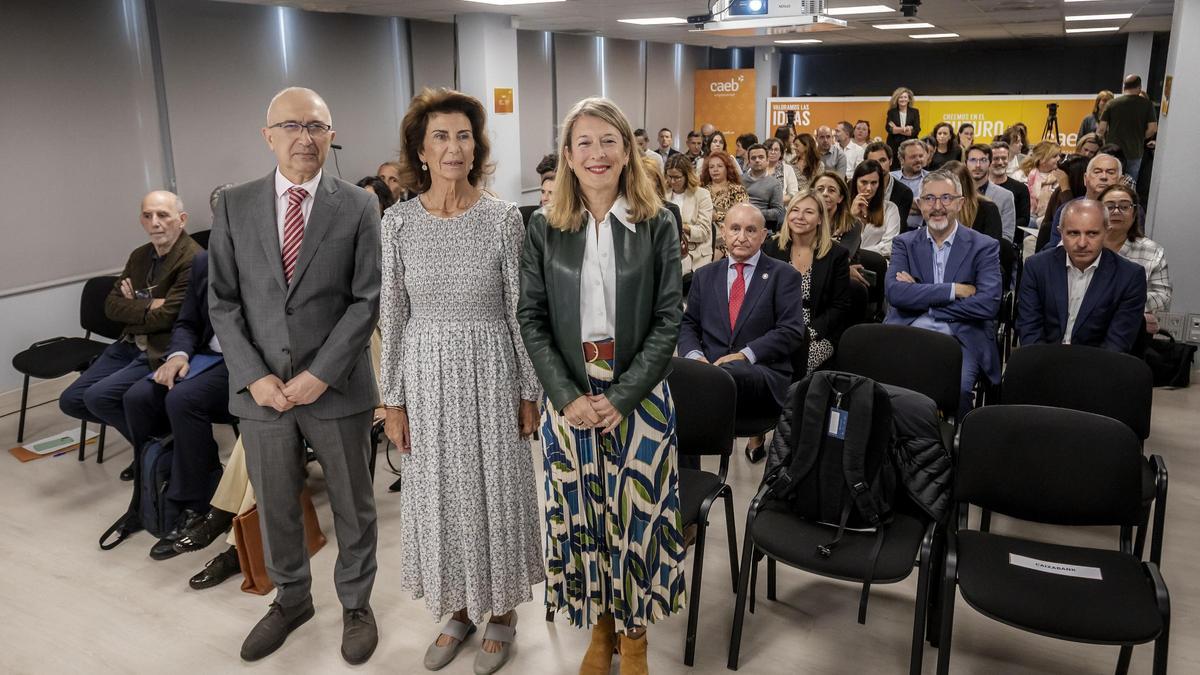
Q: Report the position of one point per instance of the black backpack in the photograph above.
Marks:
(831, 459)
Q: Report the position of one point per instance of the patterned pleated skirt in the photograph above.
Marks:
(614, 536)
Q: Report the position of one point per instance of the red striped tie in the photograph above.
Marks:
(293, 230)
(737, 293)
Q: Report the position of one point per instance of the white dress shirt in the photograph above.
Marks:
(1077, 287)
(854, 156)
(879, 239)
(282, 185)
(598, 278)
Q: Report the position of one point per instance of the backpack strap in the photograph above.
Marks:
(880, 533)
(810, 435)
(855, 451)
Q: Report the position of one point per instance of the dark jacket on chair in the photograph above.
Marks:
(1110, 315)
(168, 282)
(770, 322)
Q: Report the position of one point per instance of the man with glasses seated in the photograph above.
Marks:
(979, 162)
(946, 278)
(146, 298)
(1082, 293)
(1102, 171)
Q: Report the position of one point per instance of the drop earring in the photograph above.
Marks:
(424, 167)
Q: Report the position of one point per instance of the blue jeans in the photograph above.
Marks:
(1133, 167)
(97, 395)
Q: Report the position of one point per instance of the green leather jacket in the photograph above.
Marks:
(649, 308)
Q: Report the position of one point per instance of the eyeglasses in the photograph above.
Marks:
(1119, 207)
(945, 200)
(978, 160)
(315, 129)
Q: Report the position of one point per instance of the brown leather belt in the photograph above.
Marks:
(598, 351)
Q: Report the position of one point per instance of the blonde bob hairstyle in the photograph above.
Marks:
(566, 208)
(1040, 153)
(823, 242)
(894, 102)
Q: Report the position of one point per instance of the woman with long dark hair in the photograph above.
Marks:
(879, 217)
(945, 146)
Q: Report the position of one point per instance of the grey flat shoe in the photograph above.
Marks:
(487, 663)
(437, 657)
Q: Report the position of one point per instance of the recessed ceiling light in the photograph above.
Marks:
(514, 2)
(805, 41)
(898, 26)
(1100, 29)
(932, 36)
(859, 9)
(655, 21)
(1079, 0)
(1100, 17)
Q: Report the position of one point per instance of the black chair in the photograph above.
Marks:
(527, 211)
(201, 238)
(56, 357)
(705, 401)
(1098, 381)
(775, 531)
(1060, 467)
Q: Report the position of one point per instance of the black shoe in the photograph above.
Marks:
(217, 570)
(271, 631)
(127, 473)
(165, 548)
(395, 487)
(359, 635)
(204, 531)
(756, 455)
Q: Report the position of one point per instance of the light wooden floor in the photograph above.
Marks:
(68, 607)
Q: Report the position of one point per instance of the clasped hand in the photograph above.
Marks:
(272, 392)
(591, 412)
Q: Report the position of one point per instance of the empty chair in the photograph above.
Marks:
(1060, 467)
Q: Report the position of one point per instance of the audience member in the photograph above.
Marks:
(844, 134)
(787, 134)
(745, 315)
(983, 215)
(696, 208)
(390, 173)
(188, 392)
(912, 171)
(1089, 123)
(806, 243)
(146, 299)
(695, 147)
(946, 278)
(879, 217)
(945, 147)
(1018, 144)
(1034, 169)
(724, 184)
(806, 158)
(862, 133)
(1127, 238)
(707, 130)
(903, 120)
(548, 166)
(1113, 150)
(831, 153)
(715, 141)
(1088, 145)
(1060, 187)
(893, 190)
(979, 164)
(643, 144)
(294, 331)
(595, 386)
(847, 231)
(658, 181)
(378, 187)
(966, 136)
(1102, 171)
(1129, 121)
(232, 496)
(998, 174)
(548, 189)
(744, 141)
(782, 171)
(765, 192)
(1081, 293)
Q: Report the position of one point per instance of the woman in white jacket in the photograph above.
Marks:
(696, 208)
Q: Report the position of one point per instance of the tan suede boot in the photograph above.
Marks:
(598, 659)
(633, 655)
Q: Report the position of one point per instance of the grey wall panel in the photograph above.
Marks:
(433, 55)
(79, 137)
(535, 97)
(624, 77)
(577, 61)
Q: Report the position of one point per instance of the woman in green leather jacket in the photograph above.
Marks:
(600, 307)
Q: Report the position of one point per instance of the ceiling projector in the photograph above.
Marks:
(759, 18)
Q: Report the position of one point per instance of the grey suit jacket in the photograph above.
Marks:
(322, 322)
(1008, 208)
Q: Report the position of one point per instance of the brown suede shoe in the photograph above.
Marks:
(598, 659)
(633, 656)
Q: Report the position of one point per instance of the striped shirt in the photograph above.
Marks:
(1151, 256)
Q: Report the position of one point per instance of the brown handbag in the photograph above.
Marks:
(248, 535)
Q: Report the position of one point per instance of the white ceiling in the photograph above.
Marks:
(971, 19)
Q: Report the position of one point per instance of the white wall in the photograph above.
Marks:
(489, 43)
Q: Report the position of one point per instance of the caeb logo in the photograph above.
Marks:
(727, 87)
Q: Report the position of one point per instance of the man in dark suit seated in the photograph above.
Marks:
(1081, 293)
(946, 278)
(147, 299)
(744, 315)
(188, 392)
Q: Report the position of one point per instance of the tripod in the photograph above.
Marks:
(1050, 131)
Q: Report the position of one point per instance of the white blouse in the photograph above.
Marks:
(598, 278)
(879, 239)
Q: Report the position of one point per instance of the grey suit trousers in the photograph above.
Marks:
(275, 455)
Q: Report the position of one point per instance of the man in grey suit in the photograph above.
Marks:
(293, 296)
(979, 162)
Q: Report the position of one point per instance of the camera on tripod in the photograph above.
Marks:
(1050, 131)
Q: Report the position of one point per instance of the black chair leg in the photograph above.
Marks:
(770, 578)
(918, 639)
(1124, 658)
(24, 403)
(731, 527)
(933, 615)
(949, 590)
(82, 438)
(739, 605)
(753, 581)
(1160, 651)
(100, 445)
(689, 643)
(549, 615)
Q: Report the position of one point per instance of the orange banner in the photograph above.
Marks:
(991, 115)
(725, 99)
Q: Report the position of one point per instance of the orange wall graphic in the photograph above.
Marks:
(991, 115)
(725, 99)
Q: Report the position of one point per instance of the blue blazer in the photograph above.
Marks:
(192, 330)
(1110, 315)
(770, 323)
(975, 260)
